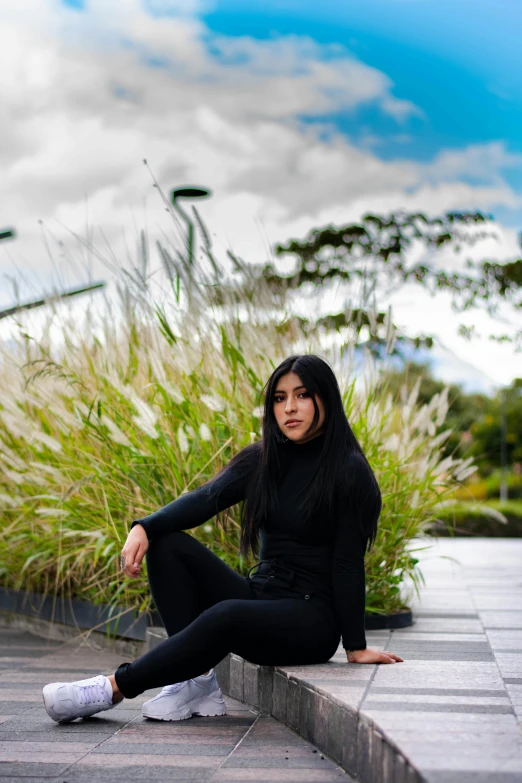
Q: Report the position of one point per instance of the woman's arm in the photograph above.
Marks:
(191, 509)
(199, 505)
(349, 578)
(359, 507)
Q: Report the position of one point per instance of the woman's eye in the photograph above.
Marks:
(279, 398)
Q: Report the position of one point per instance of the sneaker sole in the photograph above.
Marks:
(207, 709)
(185, 717)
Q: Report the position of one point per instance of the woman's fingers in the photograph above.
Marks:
(133, 568)
(133, 558)
(371, 655)
(134, 550)
(129, 553)
(391, 657)
(140, 554)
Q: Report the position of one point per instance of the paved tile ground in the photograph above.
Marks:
(454, 707)
(120, 745)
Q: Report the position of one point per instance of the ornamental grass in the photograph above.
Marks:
(148, 391)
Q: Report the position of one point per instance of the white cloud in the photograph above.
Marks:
(484, 161)
(85, 106)
(477, 362)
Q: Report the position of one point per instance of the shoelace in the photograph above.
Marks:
(168, 689)
(91, 694)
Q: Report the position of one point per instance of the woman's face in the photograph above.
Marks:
(292, 401)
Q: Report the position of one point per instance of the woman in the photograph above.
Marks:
(312, 500)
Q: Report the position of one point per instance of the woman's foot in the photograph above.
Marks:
(199, 696)
(66, 701)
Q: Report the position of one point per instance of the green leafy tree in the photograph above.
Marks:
(374, 252)
(486, 433)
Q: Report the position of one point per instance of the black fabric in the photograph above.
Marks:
(326, 554)
(209, 610)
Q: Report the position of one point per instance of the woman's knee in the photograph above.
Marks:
(171, 542)
(161, 551)
(164, 551)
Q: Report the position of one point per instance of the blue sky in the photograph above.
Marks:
(458, 60)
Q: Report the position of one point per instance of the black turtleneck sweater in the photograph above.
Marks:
(329, 549)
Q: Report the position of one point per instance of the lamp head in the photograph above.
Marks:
(190, 193)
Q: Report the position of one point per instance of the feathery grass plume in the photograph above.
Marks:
(15, 423)
(49, 469)
(213, 402)
(182, 440)
(10, 458)
(114, 431)
(51, 512)
(150, 395)
(42, 439)
(9, 500)
(204, 432)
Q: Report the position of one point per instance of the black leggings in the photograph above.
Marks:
(209, 610)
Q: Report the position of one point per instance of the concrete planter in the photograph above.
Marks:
(113, 621)
(376, 622)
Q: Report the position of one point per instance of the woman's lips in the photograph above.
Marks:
(293, 423)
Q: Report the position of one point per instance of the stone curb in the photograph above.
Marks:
(348, 736)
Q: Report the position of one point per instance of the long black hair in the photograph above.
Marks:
(343, 469)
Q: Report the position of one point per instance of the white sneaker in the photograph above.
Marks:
(199, 696)
(65, 701)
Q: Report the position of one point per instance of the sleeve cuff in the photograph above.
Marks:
(355, 644)
(143, 524)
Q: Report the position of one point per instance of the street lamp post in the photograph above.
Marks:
(503, 447)
(188, 192)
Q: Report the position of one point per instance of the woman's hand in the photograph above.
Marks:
(134, 550)
(369, 655)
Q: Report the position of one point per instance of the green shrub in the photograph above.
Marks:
(513, 484)
(489, 488)
(494, 518)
